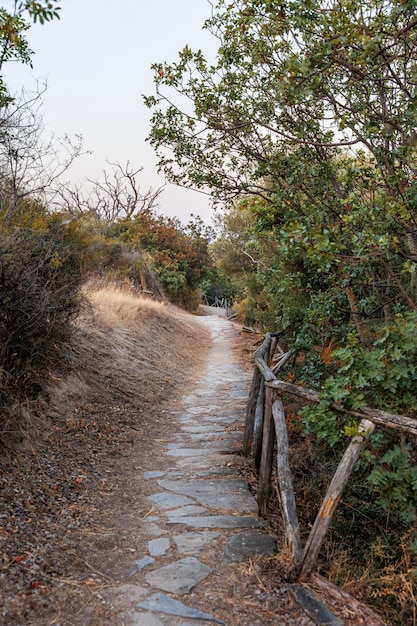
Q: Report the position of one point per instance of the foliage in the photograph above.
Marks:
(293, 89)
(178, 254)
(40, 272)
(218, 285)
(309, 112)
(13, 26)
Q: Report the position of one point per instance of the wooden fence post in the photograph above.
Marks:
(285, 483)
(259, 425)
(331, 500)
(268, 441)
(250, 412)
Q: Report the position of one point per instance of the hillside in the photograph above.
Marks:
(129, 360)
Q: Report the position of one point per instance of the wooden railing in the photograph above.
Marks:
(223, 303)
(265, 430)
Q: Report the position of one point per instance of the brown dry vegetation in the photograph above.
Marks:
(66, 474)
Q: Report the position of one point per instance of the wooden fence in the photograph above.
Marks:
(265, 430)
(223, 303)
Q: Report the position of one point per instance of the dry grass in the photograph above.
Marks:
(131, 345)
(103, 413)
(115, 306)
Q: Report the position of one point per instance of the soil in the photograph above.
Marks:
(70, 509)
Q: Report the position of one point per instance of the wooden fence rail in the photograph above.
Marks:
(223, 303)
(266, 431)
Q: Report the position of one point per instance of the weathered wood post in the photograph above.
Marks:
(331, 500)
(285, 483)
(259, 425)
(267, 458)
(250, 411)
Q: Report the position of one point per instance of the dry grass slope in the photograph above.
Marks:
(130, 345)
(128, 361)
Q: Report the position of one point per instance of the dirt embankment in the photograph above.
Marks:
(67, 517)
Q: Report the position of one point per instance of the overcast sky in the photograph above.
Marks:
(96, 60)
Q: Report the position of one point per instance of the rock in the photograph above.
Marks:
(164, 604)
(158, 547)
(179, 577)
(247, 545)
(311, 604)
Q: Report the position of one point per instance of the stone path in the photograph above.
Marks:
(198, 501)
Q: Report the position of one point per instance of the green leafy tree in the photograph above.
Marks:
(295, 89)
(311, 107)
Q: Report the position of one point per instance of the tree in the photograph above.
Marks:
(29, 164)
(13, 26)
(312, 107)
(116, 197)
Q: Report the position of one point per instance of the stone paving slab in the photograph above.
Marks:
(166, 500)
(222, 494)
(217, 521)
(192, 543)
(179, 577)
(247, 545)
(145, 619)
(200, 501)
(205, 462)
(181, 452)
(158, 547)
(164, 604)
(202, 428)
(188, 510)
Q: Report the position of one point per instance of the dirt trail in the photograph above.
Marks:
(123, 508)
(202, 522)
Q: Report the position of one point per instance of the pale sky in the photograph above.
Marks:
(96, 60)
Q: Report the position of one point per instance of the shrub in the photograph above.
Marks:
(40, 272)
